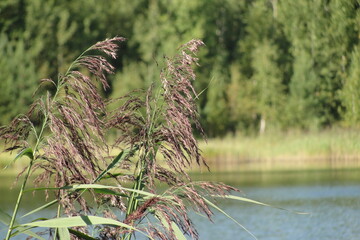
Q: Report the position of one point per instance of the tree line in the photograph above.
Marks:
(267, 64)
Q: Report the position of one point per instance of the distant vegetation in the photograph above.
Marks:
(315, 150)
(268, 64)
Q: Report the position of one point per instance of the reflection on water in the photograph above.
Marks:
(331, 197)
(283, 178)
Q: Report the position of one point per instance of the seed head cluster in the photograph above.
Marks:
(154, 127)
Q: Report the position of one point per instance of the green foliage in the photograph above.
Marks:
(18, 78)
(320, 41)
(216, 110)
(350, 93)
(285, 63)
(242, 93)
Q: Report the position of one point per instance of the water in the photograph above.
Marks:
(332, 199)
(334, 212)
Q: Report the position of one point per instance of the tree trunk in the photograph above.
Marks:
(262, 125)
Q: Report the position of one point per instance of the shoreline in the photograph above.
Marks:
(293, 163)
(331, 148)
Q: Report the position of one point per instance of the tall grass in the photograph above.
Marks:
(330, 148)
(64, 136)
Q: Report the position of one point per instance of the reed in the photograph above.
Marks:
(71, 157)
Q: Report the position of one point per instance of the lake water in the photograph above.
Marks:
(332, 199)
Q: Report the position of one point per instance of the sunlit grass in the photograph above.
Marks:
(339, 148)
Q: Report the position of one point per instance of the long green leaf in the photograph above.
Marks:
(89, 186)
(40, 208)
(4, 217)
(255, 202)
(145, 193)
(64, 233)
(81, 235)
(24, 152)
(178, 233)
(118, 159)
(113, 175)
(227, 215)
(78, 221)
(109, 192)
(27, 232)
(81, 221)
(100, 186)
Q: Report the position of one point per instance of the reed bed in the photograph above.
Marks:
(331, 148)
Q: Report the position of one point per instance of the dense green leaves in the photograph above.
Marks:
(274, 64)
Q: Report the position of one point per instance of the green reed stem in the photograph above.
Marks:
(38, 141)
(21, 193)
(133, 202)
(57, 216)
(19, 200)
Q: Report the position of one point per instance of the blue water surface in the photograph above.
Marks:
(332, 207)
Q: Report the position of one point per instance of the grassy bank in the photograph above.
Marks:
(335, 148)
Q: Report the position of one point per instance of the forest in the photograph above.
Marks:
(267, 64)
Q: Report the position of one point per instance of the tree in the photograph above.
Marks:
(321, 34)
(216, 110)
(350, 93)
(18, 78)
(259, 63)
(267, 81)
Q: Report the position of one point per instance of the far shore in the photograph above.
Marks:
(295, 151)
(284, 163)
(327, 149)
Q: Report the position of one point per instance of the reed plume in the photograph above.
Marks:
(155, 142)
